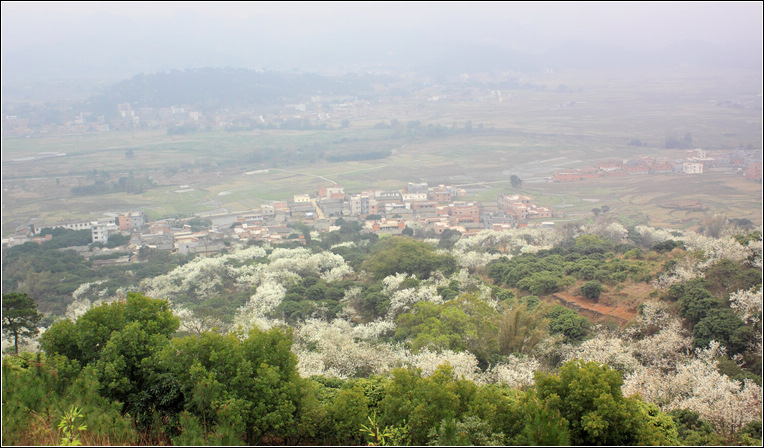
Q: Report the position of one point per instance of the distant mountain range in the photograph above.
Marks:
(210, 89)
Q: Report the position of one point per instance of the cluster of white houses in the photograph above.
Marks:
(379, 211)
(100, 228)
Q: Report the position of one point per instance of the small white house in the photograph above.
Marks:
(692, 168)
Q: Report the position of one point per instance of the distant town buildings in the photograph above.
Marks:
(382, 211)
(694, 163)
(130, 220)
(522, 208)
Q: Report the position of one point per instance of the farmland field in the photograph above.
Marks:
(528, 133)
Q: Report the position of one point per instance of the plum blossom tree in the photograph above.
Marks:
(605, 349)
(242, 269)
(696, 384)
(464, 364)
(510, 241)
(686, 268)
(755, 252)
(337, 349)
(665, 348)
(403, 299)
(266, 298)
(714, 249)
(747, 304)
(614, 231)
(516, 372)
(473, 259)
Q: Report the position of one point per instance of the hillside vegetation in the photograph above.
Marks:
(355, 339)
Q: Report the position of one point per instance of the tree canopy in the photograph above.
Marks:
(20, 317)
(405, 255)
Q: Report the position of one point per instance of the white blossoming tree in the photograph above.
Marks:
(516, 372)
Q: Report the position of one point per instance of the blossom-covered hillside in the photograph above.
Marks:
(359, 312)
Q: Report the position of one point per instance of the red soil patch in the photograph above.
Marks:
(587, 307)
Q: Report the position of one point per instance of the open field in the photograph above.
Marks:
(529, 133)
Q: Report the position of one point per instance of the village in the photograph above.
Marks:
(747, 163)
(436, 209)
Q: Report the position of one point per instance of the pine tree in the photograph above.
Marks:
(20, 317)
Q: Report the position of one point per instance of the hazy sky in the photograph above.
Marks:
(143, 36)
(623, 21)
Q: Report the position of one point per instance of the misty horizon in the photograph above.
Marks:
(117, 41)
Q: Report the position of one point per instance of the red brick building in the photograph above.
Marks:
(567, 176)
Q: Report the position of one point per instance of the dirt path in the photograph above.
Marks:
(597, 310)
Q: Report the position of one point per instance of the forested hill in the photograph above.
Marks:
(346, 337)
(213, 88)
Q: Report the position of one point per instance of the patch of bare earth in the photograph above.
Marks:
(596, 310)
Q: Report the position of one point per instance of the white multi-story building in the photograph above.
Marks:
(692, 168)
(99, 232)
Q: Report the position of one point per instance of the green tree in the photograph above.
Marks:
(750, 434)
(113, 342)
(667, 246)
(403, 254)
(589, 397)
(658, 428)
(20, 317)
(695, 302)
(433, 326)
(521, 328)
(448, 238)
(85, 339)
(591, 290)
(423, 402)
(348, 412)
(591, 244)
(465, 323)
(726, 276)
(541, 283)
(722, 325)
(470, 431)
(692, 430)
(252, 377)
(568, 323)
(515, 181)
(71, 428)
(544, 427)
